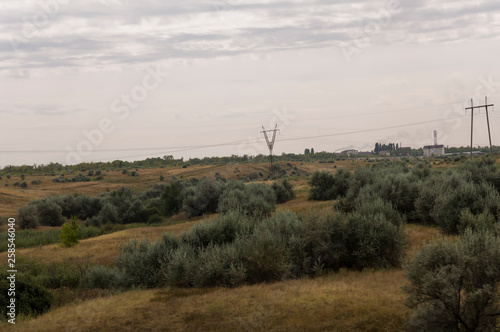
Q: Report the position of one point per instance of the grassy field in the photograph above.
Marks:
(11, 198)
(345, 301)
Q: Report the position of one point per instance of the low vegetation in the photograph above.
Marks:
(450, 284)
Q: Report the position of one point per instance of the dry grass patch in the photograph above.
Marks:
(348, 301)
(102, 249)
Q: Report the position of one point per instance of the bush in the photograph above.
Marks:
(49, 213)
(257, 200)
(478, 198)
(454, 285)
(124, 171)
(28, 217)
(325, 242)
(155, 218)
(97, 276)
(31, 297)
(221, 231)
(284, 191)
(373, 241)
(219, 266)
(322, 186)
(108, 213)
(36, 182)
(136, 213)
(59, 179)
(171, 200)
(201, 198)
(484, 221)
(139, 263)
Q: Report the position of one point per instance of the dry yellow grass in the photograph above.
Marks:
(103, 249)
(348, 301)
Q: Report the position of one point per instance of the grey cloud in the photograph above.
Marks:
(286, 25)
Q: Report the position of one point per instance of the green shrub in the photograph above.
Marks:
(98, 276)
(325, 242)
(171, 199)
(222, 230)
(36, 182)
(155, 219)
(177, 271)
(136, 213)
(265, 257)
(454, 285)
(373, 241)
(139, 263)
(322, 184)
(201, 198)
(31, 297)
(28, 217)
(284, 191)
(477, 198)
(378, 206)
(254, 199)
(49, 213)
(108, 213)
(218, 266)
(483, 221)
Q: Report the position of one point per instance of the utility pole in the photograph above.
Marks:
(472, 108)
(270, 144)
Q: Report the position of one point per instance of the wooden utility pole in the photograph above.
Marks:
(472, 108)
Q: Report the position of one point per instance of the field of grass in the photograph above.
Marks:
(11, 198)
(345, 301)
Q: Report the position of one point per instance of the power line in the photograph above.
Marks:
(248, 141)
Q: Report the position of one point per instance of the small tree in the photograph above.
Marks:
(70, 233)
(322, 186)
(454, 285)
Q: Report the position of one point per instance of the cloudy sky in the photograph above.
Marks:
(127, 79)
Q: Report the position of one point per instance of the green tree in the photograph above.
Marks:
(454, 285)
(70, 233)
(171, 199)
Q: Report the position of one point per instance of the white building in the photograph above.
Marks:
(434, 150)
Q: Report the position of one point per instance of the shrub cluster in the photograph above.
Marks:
(31, 297)
(326, 186)
(237, 248)
(416, 191)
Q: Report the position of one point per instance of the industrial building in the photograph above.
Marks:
(434, 150)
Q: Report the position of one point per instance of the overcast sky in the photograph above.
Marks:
(121, 79)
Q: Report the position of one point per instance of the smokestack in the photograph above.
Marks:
(435, 137)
